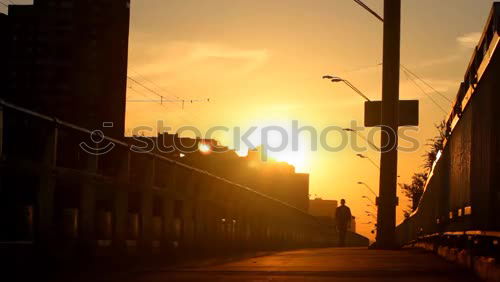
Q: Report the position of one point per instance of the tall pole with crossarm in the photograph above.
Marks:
(387, 201)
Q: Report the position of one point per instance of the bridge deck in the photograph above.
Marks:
(317, 265)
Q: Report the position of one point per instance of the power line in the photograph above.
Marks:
(167, 101)
(180, 102)
(152, 82)
(425, 93)
(144, 86)
(162, 105)
(428, 85)
(163, 98)
(138, 92)
(407, 71)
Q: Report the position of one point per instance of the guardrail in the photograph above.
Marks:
(462, 191)
(476, 250)
(477, 66)
(66, 201)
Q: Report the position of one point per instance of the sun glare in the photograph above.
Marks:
(299, 158)
(204, 148)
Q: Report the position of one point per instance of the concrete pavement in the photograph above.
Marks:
(315, 265)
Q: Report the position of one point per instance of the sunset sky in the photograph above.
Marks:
(261, 63)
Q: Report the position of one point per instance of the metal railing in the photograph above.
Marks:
(456, 197)
(65, 200)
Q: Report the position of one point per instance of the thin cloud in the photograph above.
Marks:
(204, 51)
(439, 61)
(176, 57)
(469, 40)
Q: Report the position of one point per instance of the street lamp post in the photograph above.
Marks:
(375, 147)
(369, 188)
(369, 159)
(371, 214)
(387, 202)
(366, 197)
(336, 79)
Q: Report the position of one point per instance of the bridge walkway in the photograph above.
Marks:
(332, 264)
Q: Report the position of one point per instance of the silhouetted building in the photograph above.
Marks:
(323, 208)
(324, 211)
(275, 179)
(171, 145)
(68, 59)
(4, 39)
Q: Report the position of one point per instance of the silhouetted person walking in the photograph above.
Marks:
(343, 220)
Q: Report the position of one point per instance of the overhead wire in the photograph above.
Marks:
(426, 83)
(156, 93)
(162, 105)
(154, 83)
(424, 92)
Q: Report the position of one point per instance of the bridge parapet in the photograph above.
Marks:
(463, 190)
(64, 200)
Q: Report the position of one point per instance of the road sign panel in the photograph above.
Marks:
(408, 113)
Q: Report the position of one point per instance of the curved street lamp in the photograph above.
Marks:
(369, 188)
(371, 214)
(374, 147)
(369, 159)
(366, 197)
(336, 79)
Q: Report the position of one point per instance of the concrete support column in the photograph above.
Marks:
(189, 211)
(187, 215)
(232, 218)
(88, 208)
(210, 212)
(146, 211)
(168, 208)
(209, 225)
(168, 222)
(120, 221)
(257, 226)
(246, 225)
(241, 225)
(44, 215)
(121, 205)
(1, 131)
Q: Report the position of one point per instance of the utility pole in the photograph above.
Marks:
(387, 201)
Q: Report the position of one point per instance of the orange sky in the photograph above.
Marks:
(261, 63)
